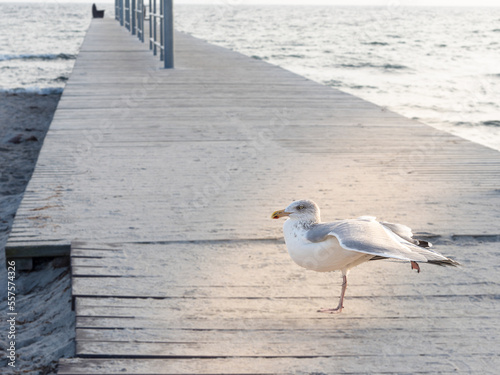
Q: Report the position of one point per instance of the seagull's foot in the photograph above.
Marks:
(337, 310)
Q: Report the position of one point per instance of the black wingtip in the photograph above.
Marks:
(445, 263)
(424, 244)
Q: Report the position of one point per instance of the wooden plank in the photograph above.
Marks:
(183, 317)
(382, 364)
(246, 346)
(372, 330)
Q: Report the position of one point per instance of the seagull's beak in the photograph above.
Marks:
(280, 213)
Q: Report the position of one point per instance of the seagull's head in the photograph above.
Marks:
(303, 210)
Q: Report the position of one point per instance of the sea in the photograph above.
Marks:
(440, 66)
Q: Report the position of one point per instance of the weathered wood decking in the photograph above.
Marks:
(164, 181)
(241, 307)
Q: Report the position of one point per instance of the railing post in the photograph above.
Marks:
(168, 34)
(116, 10)
(155, 15)
(133, 16)
(162, 21)
(150, 26)
(142, 20)
(139, 16)
(139, 19)
(127, 14)
(121, 12)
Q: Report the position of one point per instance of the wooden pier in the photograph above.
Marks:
(162, 183)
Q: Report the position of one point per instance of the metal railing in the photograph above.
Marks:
(138, 24)
(132, 13)
(127, 14)
(119, 11)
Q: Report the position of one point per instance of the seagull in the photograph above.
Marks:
(344, 244)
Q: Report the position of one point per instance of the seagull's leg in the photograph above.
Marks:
(339, 308)
(415, 266)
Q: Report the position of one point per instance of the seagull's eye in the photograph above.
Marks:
(301, 207)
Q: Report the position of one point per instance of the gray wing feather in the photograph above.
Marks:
(371, 237)
(401, 230)
(319, 232)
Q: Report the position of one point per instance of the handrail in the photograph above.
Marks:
(131, 14)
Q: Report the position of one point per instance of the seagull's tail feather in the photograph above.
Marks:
(441, 262)
(444, 262)
(431, 256)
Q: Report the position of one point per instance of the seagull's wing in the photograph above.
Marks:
(366, 235)
(405, 233)
(401, 230)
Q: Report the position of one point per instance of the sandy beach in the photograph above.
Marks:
(24, 121)
(45, 322)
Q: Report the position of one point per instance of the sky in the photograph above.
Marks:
(472, 3)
